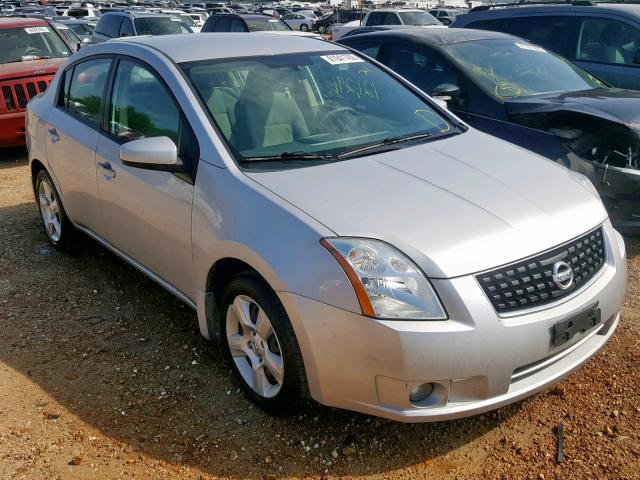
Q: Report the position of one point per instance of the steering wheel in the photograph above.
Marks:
(342, 115)
(32, 51)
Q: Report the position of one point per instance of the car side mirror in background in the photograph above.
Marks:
(446, 92)
(155, 153)
(636, 57)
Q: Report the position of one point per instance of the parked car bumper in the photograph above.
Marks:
(12, 129)
(476, 361)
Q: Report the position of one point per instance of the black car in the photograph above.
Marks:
(518, 91)
(225, 22)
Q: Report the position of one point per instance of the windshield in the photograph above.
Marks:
(160, 26)
(30, 43)
(508, 68)
(418, 18)
(81, 28)
(69, 34)
(188, 20)
(267, 25)
(316, 103)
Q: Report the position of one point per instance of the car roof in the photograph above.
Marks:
(211, 46)
(437, 37)
(138, 14)
(10, 22)
(508, 10)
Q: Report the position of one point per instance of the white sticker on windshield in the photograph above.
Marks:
(32, 30)
(176, 20)
(341, 58)
(528, 46)
(273, 21)
(62, 27)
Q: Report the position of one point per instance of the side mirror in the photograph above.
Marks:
(155, 153)
(446, 92)
(636, 57)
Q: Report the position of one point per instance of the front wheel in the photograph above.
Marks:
(322, 29)
(54, 219)
(259, 340)
(304, 27)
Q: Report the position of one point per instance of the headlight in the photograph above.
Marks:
(585, 182)
(387, 283)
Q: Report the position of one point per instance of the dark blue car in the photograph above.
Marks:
(522, 93)
(602, 38)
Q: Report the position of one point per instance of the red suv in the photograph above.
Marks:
(30, 54)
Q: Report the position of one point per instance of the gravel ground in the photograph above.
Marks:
(104, 375)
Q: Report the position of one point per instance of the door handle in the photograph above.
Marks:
(53, 133)
(107, 169)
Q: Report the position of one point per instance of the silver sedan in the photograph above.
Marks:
(341, 235)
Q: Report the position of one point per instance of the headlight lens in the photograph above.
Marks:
(388, 284)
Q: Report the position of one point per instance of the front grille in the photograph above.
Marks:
(17, 93)
(529, 283)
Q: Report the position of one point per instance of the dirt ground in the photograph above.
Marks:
(104, 375)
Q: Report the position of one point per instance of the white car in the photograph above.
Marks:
(298, 21)
(388, 16)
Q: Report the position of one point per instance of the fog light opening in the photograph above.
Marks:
(421, 393)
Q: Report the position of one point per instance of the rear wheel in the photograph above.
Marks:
(261, 345)
(54, 219)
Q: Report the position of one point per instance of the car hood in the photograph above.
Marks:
(614, 104)
(33, 68)
(457, 206)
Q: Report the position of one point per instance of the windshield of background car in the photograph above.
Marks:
(267, 25)
(69, 34)
(318, 103)
(160, 26)
(418, 18)
(81, 28)
(31, 43)
(508, 68)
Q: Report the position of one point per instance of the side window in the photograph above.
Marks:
(552, 33)
(422, 67)
(84, 89)
(109, 25)
(495, 25)
(222, 25)
(142, 107)
(126, 30)
(370, 49)
(608, 41)
(237, 25)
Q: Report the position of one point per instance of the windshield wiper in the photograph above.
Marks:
(383, 143)
(289, 156)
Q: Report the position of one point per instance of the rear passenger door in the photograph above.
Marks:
(72, 139)
(147, 213)
(609, 47)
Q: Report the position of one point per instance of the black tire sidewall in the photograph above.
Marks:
(294, 391)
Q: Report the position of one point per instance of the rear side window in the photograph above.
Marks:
(494, 25)
(126, 30)
(237, 25)
(552, 33)
(376, 18)
(608, 41)
(84, 89)
(109, 25)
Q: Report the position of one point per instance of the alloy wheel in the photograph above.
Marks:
(254, 346)
(50, 211)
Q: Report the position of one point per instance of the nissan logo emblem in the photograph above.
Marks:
(562, 275)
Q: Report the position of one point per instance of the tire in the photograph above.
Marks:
(304, 27)
(322, 29)
(57, 226)
(280, 385)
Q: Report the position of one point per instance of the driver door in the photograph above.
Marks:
(147, 212)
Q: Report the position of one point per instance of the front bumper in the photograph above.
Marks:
(12, 129)
(477, 361)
